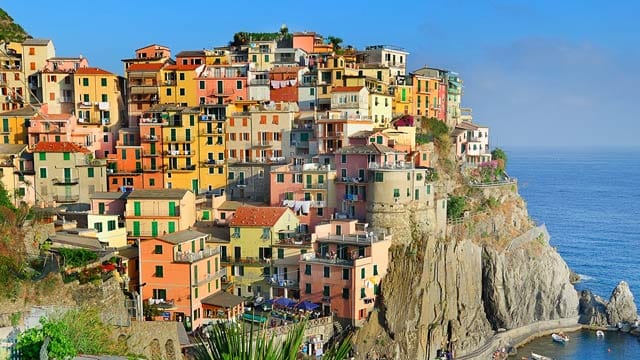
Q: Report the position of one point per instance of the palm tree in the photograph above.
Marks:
(234, 342)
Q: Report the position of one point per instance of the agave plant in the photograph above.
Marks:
(234, 342)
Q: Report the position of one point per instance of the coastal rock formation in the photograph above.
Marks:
(593, 309)
(525, 285)
(621, 306)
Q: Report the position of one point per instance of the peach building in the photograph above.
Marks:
(344, 272)
(178, 271)
(150, 213)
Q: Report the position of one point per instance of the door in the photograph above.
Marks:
(136, 228)
(194, 186)
(338, 230)
(67, 175)
(154, 228)
(152, 149)
(237, 252)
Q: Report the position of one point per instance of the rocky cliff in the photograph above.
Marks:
(619, 309)
(494, 269)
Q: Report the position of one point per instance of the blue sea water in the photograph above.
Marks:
(590, 202)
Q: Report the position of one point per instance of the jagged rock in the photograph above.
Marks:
(593, 309)
(621, 307)
(528, 284)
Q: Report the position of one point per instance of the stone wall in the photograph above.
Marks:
(403, 221)
(156, 340)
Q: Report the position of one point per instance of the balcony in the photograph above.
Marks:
(212, 163)
(275, 281)
(48, 130)
(150, 154)
(316, 186)
(65, 181)
(211, 117)
(149, 138)
(400, 165)
(210, 277)
(327, 259)
(358, 239)
(351, 179)
(318, 204)
(182, 169)
(256, 261)
(85, 105)
(353, 197)
(263, 143)
(89, 121)
(178, 153)
(6, 130)
(66, 198)
(191, 257)
(152, 169)
(64, 100)
(295, 240)
(169, 139)
(259, 82)
(333, 134)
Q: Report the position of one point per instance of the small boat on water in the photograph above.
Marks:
(561, 338)
(535, 356)
(599, 333)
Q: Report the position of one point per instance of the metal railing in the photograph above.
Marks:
(189, 257)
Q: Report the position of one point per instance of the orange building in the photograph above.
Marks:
(124, 172)
(177, 271)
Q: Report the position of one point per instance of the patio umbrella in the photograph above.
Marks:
(307, 305)
(286, 302)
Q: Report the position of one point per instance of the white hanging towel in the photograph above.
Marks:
(306, 206)
(297, 206)
(293, 82)
(275, 84)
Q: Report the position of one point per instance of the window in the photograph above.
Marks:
(379, 139)
(419, 176)
(66, 156)
(42, 156)
(345, 274)
(428, 189)
(137, 209)
(307, 288)
(43, 173)
(100, 208)
(157, 249)
(239, 84)
(160, 294)
(124, 154)
(266, 233)
(362, 273)
(195, 292)
(327, 272)
(182, 91)
(105, 98)
(159, 271)
(375, 270)
(172, 227)
(90, 172)
(307, 269)
(345, 293)
(280, 253)
(279, 178)
(152, 182)
(326, 291)
(266, 58)
(103, 82)
(85, 81)
(111, 225)
(98, 227)
(236, 232)
(172, 208)
(343, 159)
(181, 76)
(168, 91)
(379, 177)
(363, 293)
(417, 195)
(312, 91)
(396, 193)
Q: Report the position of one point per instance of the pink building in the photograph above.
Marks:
(344, 272)
(221, 84)
(108, 203)
(65, 128)
(352, 163)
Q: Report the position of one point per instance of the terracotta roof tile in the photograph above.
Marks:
(92, 71)
(145, 67)
(346, 89)
(56, 147)
(257, 216)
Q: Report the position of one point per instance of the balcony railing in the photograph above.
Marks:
(351, 179)
(190, 257)
(66, 198)
(85, 104)
(65, 181)
(334, 134)
(284, 283)
(65, 100)
(183, 169)
(318, 186)
(246, 260)
(210, 277)
(150, 154)
(263, 143)
(318, 204)
(185, 139)
(211, 162)
(400, 165)
(180, 153)
(259, 82)
(149, 138)
(6, 130)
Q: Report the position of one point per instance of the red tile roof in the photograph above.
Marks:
(57, 147)
(182, 67)
(52, 117)
(145, 67)
(257, 216)
(92, 71)
(347, 88)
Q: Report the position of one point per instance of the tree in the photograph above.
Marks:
(455, 207)
(335, 41)
(499, 155)
(232, 341)
(5, 200)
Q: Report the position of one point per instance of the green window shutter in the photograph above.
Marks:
(43, 173)
(172, 208)
(192, 120)
(136, 228)
(363, 293)
(362, 273)
(403, 95)
(266, 58)
(85, 81)
(42, 156)
(85, 97)
(375, 270)
(208, 266)
(103, 81)
(154, 228)
(124, 154)
(307, 269)
(428, 189)
(136, 208)
(101, 208)
(205, 215)
(195, 292)
(66, 156)
(90, 172)
(202, 85)
(159, 271)
(168, 91)
(105, 98)
(254, 58)
(172, 227)
(280, 253)
(182, 92)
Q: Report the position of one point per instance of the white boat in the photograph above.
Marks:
(561, 338)
(535, 356)
(600, 333)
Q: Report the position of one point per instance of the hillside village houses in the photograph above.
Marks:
(255, 170)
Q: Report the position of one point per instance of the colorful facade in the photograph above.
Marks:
(151, 213)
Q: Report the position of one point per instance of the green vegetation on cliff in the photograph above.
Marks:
(10, 31)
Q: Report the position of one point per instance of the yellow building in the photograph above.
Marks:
(179, 84)
(151, 213)
(380, 108)
(253, 233)
(98, 97)
(402, 100)
(13, 85)
(212, 165)
(12, 125)
(35, 53)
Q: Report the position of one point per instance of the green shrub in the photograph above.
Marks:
(77, 257)
(455, 207)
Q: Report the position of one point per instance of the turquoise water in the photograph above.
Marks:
(590, 202)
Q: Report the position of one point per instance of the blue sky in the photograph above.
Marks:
(543, 73)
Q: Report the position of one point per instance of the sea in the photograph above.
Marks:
(589, 200)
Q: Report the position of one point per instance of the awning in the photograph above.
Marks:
(222, 299)
(137, 90)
